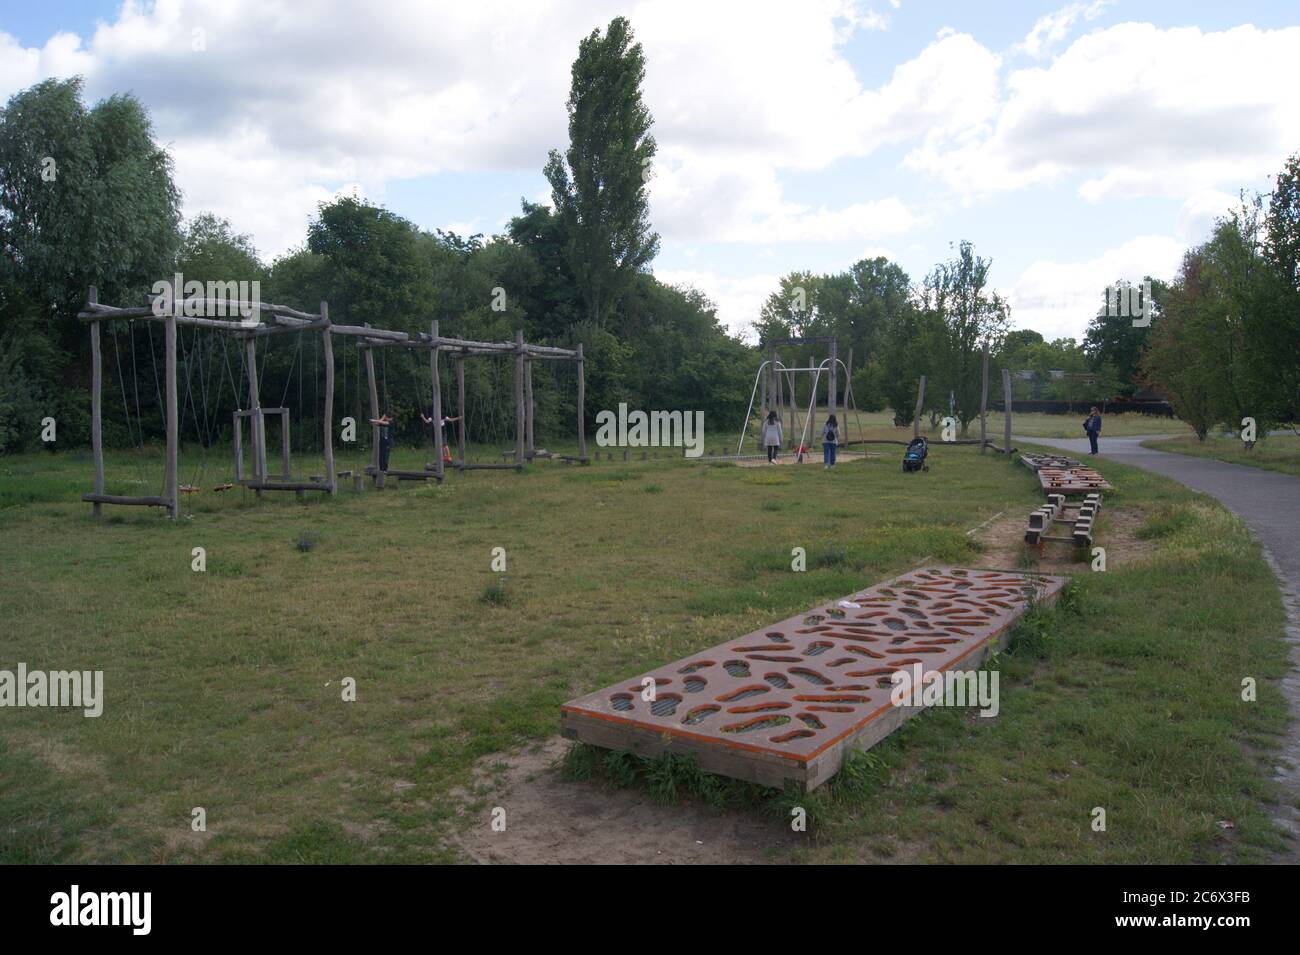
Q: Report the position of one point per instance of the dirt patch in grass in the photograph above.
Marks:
(1003, 542)
(551, 820)
(789, 457)
(60, 757)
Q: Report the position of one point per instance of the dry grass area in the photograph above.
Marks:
(224, 688)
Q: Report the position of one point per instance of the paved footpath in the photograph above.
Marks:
(1269, 503)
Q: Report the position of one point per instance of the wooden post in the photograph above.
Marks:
(519, 398)
(437, 404)
(849, 400)
(96, 407)
(984, 403)
(327, 343)
(285, 466)
(763, 404)
(529, 408)
(460, 408)
(171, 490)
(582, 400)
(920, 401)
(374, 413)
(1006, 398)
(256, 426)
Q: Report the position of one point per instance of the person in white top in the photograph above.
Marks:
(772, 436)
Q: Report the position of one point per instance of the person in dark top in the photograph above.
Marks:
(385, 422)
(1092, 425)
(830, 441)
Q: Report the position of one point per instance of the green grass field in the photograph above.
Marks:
(223, 688)
(1277, 452)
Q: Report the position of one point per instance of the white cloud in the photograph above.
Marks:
(1058, 299)
(286, 104)
(1138, 111)
(1198, 213)
(1051, 29)
(739, 300)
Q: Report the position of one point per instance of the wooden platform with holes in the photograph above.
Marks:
(1036, 462)
(786, 702)
(1075, 480)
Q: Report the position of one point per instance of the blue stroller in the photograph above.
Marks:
(914, 456)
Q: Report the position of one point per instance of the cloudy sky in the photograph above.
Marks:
(1073, 143)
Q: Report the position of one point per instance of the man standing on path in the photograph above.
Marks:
(1092, 425)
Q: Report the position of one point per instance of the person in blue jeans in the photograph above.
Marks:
(830, 439)
(1092, 425)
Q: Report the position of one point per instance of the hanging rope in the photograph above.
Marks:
(117, 354)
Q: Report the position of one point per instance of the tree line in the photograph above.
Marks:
(87, 198)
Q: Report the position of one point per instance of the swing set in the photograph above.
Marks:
(776, 381)
(175, 314)
(434, 344)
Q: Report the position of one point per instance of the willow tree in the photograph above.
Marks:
(599, 184)
(957, 293)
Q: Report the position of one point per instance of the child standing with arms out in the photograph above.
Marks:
(772, 436)
(446, 419)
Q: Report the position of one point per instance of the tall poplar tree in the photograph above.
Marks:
(599, 184)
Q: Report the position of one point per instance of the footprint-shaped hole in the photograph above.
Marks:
(621, 702)
(744, 693)
(693, 684)
(809, 720)
(697, 665)
(665, 704)
(778, 681)
(737, 668)
(809, 676)
(792, 735)
(814, 649)
(700, 714)
(758, 723)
